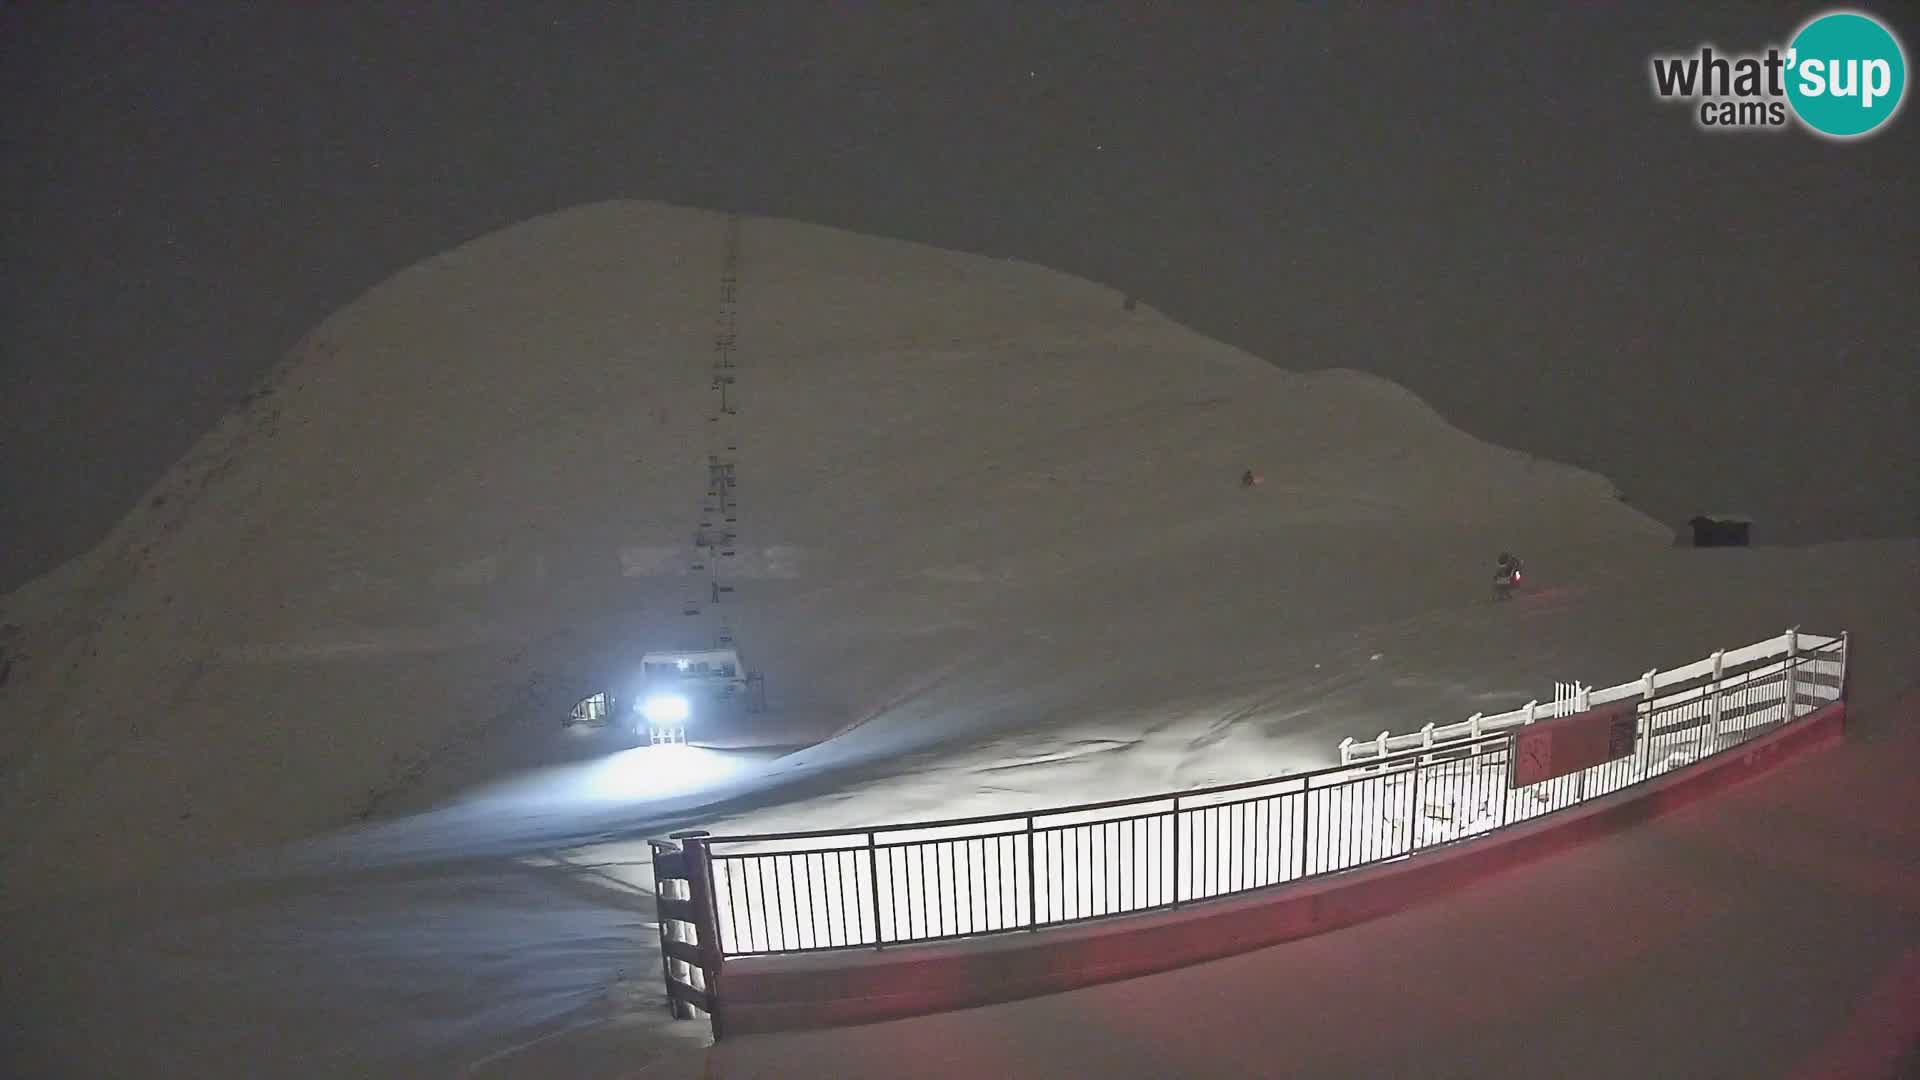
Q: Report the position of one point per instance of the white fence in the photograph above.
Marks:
(1570, 698)
(797, 892)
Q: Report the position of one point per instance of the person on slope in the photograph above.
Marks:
(1506, 575)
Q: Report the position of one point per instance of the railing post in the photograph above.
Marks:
(1419, 812)
(1346, 750)
(1300, 820)
(1176, 851)
(707, 923)
(1646, 740)
(1844, 643)
(1789, 706)
(1533, 710)
(873, 881)
(1506, 785)
(1033, 879)
(1473, 732)
(1380, 745)
(1713, 710)
(1582, 701)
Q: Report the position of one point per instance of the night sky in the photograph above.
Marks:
(1490, 209)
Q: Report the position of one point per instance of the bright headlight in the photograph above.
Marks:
(665, 709)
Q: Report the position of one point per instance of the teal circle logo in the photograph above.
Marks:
(1846, 74)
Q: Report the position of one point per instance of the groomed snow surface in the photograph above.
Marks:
(285, 785)
(1027, 869)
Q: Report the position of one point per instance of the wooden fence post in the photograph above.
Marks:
(669, 866)
(706, 923)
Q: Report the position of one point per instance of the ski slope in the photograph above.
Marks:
(282, 766)
(427, 525)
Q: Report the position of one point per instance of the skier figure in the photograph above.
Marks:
(1249, 479)
(1506, 575)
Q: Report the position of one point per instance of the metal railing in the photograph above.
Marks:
(798, 892)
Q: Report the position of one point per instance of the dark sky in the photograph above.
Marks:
(1487, 208)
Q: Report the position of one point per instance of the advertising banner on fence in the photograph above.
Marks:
(1555, 748)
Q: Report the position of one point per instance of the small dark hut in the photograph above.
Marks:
(1721, 530)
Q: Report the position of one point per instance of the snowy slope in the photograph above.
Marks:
(414, 536)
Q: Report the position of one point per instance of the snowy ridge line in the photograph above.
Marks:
(1725, 662)
(822, 890)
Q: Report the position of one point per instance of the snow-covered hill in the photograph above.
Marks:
(467, 497)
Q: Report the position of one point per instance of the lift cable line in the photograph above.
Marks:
(717, 534)
(699, 680)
